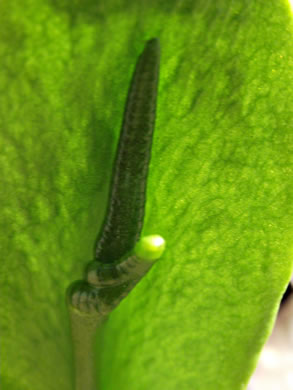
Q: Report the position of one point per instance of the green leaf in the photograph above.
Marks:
(219, 188)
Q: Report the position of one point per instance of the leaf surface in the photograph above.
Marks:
(219, 188)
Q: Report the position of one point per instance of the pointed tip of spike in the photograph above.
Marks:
(153, 40)
(153, 43)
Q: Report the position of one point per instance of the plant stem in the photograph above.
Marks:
(90, 301)
(83, 328)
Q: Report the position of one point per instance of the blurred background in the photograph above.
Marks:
(275, 366)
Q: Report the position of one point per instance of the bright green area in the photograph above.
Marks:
(150, 247)
(219, 192)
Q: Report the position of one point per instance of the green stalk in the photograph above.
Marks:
(83, 328)
(91, 301)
